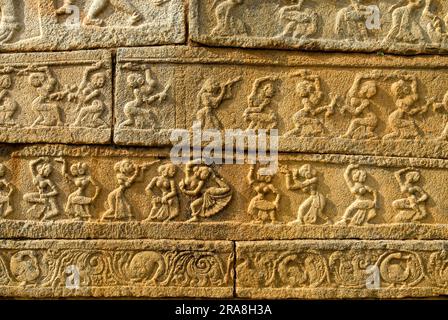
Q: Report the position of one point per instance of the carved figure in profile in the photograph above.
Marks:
(260, 112)
(306, 121)
(358, 103)
(90, 97)
(412, 208)
(210, 98)
(78, 202)
(402, 121)
(406, 23)
(6, 191)
(262, 208)
(8, 105)
(46, 104)
(210, 193)
(363, 209)
(227, 24)
(44, 200)
(118, 206)
(165, 198)
(137, 112)
(299, 22)
(312, 208)
(434, 25)
(351, 21)
(444, 106)
(9, 22)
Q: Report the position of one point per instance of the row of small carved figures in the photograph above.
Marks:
(209, 193)
(356, 22)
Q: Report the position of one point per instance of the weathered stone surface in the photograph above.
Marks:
(341, 269)
(324, 103)
(91, 268)
(48, 25)
(56, 97)
(413, 26)
(101, 192)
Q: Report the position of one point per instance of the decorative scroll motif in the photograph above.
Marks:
(39, 268)
(342, 266)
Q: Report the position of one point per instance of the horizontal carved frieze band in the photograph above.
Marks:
(341, 269)
(101, 185)
(49, 25)
(49, 268)
(56, 97)
(413, 26)
(318, 103)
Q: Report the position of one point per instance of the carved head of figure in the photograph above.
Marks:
(5, 82)
(2, 170)
(44, 170)
(98, 80)
(202, 172)
(211, 86)
(400, 89)
(368, 90)
(167, 170)
(36, 79)
(307, 90)
(359, 175)
(416, 3)
(266, 178)
(78, 169)
(412, 177)
(306, 171)
(135, 80)
(267, 89)
(125, 167)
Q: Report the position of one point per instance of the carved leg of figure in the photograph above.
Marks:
(52, 209)
(96, 8)
(8, 23)
(65, 9)
(127, 7)
(196, 207)
(444, 135)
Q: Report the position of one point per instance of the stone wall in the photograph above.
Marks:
(92, 203)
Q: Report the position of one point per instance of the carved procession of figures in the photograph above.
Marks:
(411, 21)
(206, 193)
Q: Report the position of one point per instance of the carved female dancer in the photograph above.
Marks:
(259, 112)
(413, 207)
(208, 200)
(44, 200)
(210, 98)
(143, 90)
(6, 190)
(8, 106)
(363, 209)
(262, 209)
(402, 121)
(118, 206)
(90, 92)
(312, 208)
(358, 104)
(78, 203)
(310, 93)
(165, 204)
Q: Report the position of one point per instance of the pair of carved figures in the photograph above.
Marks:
(88, 95)
(209, 193)
(264, 206)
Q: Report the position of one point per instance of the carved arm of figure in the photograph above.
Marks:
(329, 109)
(35, 163)
(192, 193)
(399, 176)
(85, 78)
(291, 183)
(277, 195)
(347, 175)
(423, 195)
(138, 174)
(172, 193)
(443, 104)
(97, 187)
(251, 175)
(151, 185)
(64, 168)
(7, 186)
